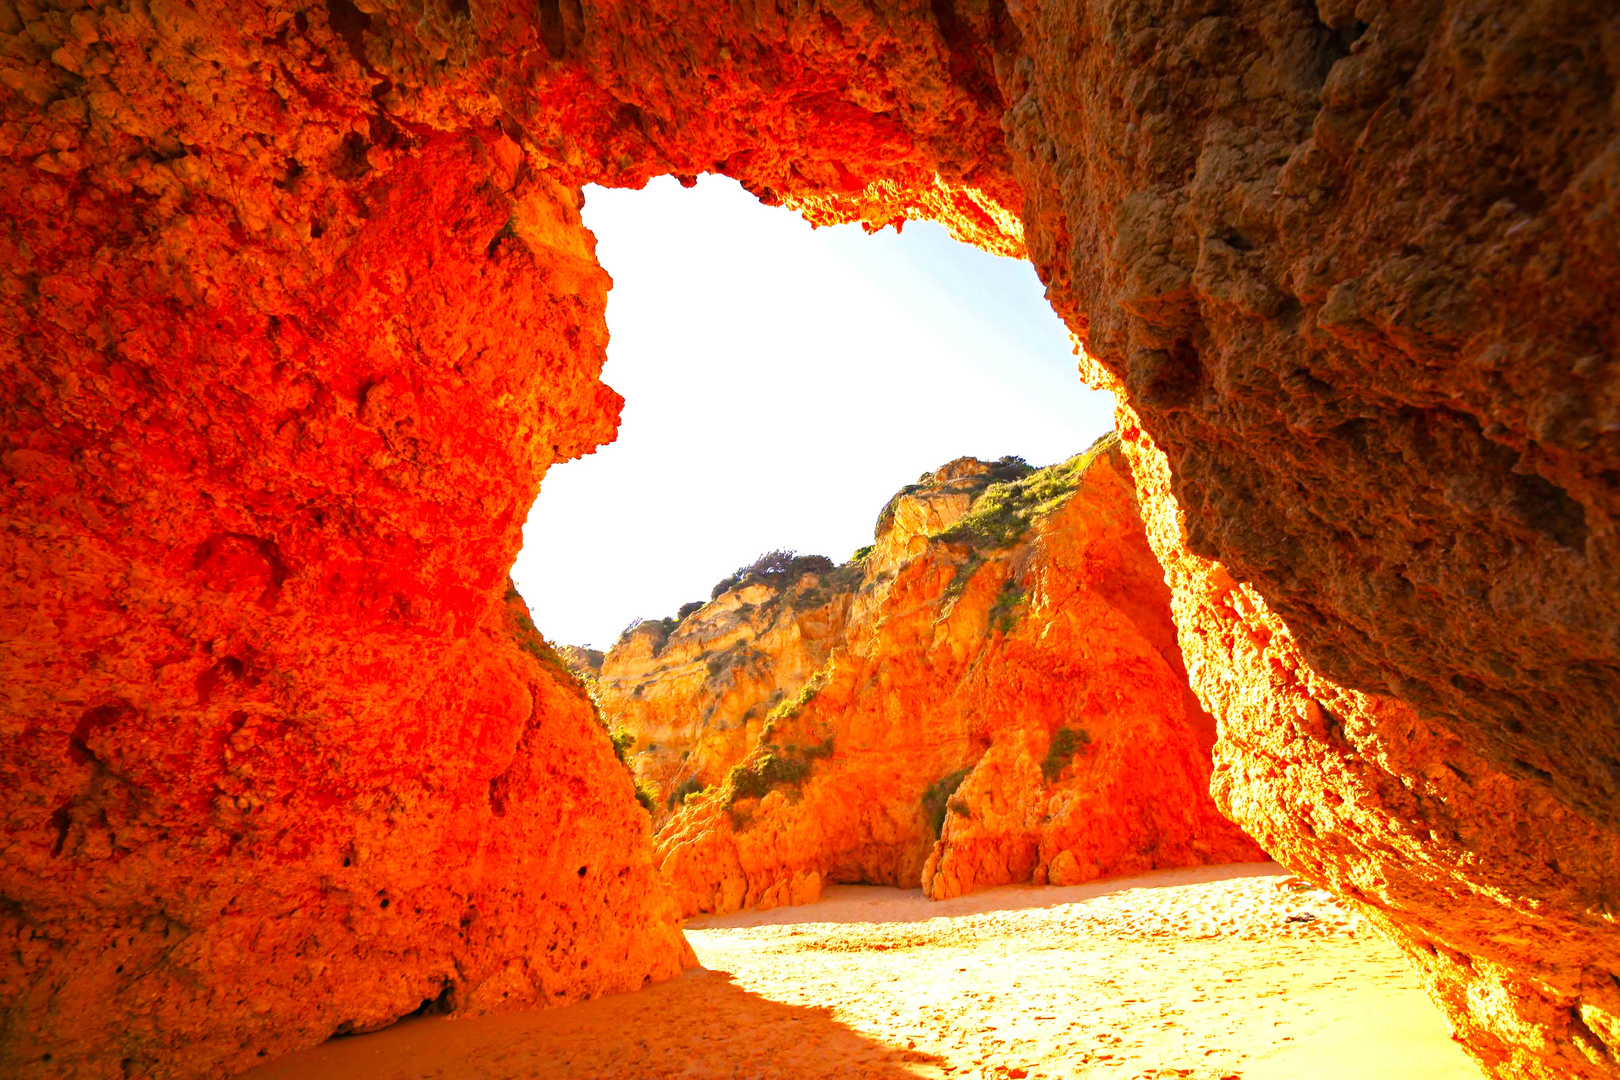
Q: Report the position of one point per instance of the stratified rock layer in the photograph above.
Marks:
(298, 311)
(1003, 701)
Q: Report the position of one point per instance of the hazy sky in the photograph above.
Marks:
(781, 382)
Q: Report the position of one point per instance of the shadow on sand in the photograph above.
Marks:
(699, 1025)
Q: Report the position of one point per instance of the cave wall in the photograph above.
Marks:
(1492, 888)
(280, 382)
(298, 311)
(1352, 273)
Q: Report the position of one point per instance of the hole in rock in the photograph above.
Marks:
(439, 1004)
(780, 384)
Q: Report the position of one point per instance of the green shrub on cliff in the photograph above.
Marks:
(683, 791)
(754, 778)
(1066, 742)
(1004, 613)
(770, 767)
(644, 796)
(622, 742)
(938, 795)
(777, 569)
(1006, 509)
(1006, 469)
(793, 706)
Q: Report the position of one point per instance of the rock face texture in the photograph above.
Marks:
(1002, 699)
(689, 696)
(1389, 808)
(1355, 277)
(298, 311)
(278, 387)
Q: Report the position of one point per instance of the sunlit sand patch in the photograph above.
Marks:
(1211, 973)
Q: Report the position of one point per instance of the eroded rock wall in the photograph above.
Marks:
(1005, 702)
(1352, 267)
(689, 701)
(298, 312)
(1394, 812)
(280, 379)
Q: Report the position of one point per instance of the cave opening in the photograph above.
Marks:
(780, 383)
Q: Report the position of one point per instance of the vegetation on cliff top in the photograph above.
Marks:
(775, 569)
(1001, 513)
(779, 570)
(1008, 468)
(1005, 509)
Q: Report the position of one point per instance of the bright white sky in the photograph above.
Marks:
(781, 382)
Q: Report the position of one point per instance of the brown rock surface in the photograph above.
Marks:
(1003, 702)
(298, 311)
(1354, 268)
(1398, 815)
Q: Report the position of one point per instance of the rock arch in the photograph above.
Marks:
(299, 310)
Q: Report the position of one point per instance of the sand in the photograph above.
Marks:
(1223, 972)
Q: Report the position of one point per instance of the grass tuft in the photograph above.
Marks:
(795, 705)
(1007, 508)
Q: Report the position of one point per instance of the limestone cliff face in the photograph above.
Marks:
(1003, 701)
(691, 699)
(298, 311)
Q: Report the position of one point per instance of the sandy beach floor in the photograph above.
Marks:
(1216, 973)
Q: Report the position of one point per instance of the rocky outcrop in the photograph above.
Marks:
(298, 311)
(1000, 699)
(279, 381)
(1354, 276)
(1390, 809)
(689, 696)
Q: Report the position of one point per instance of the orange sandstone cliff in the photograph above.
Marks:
(298, 311)
(991, 693)
(689, 696)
